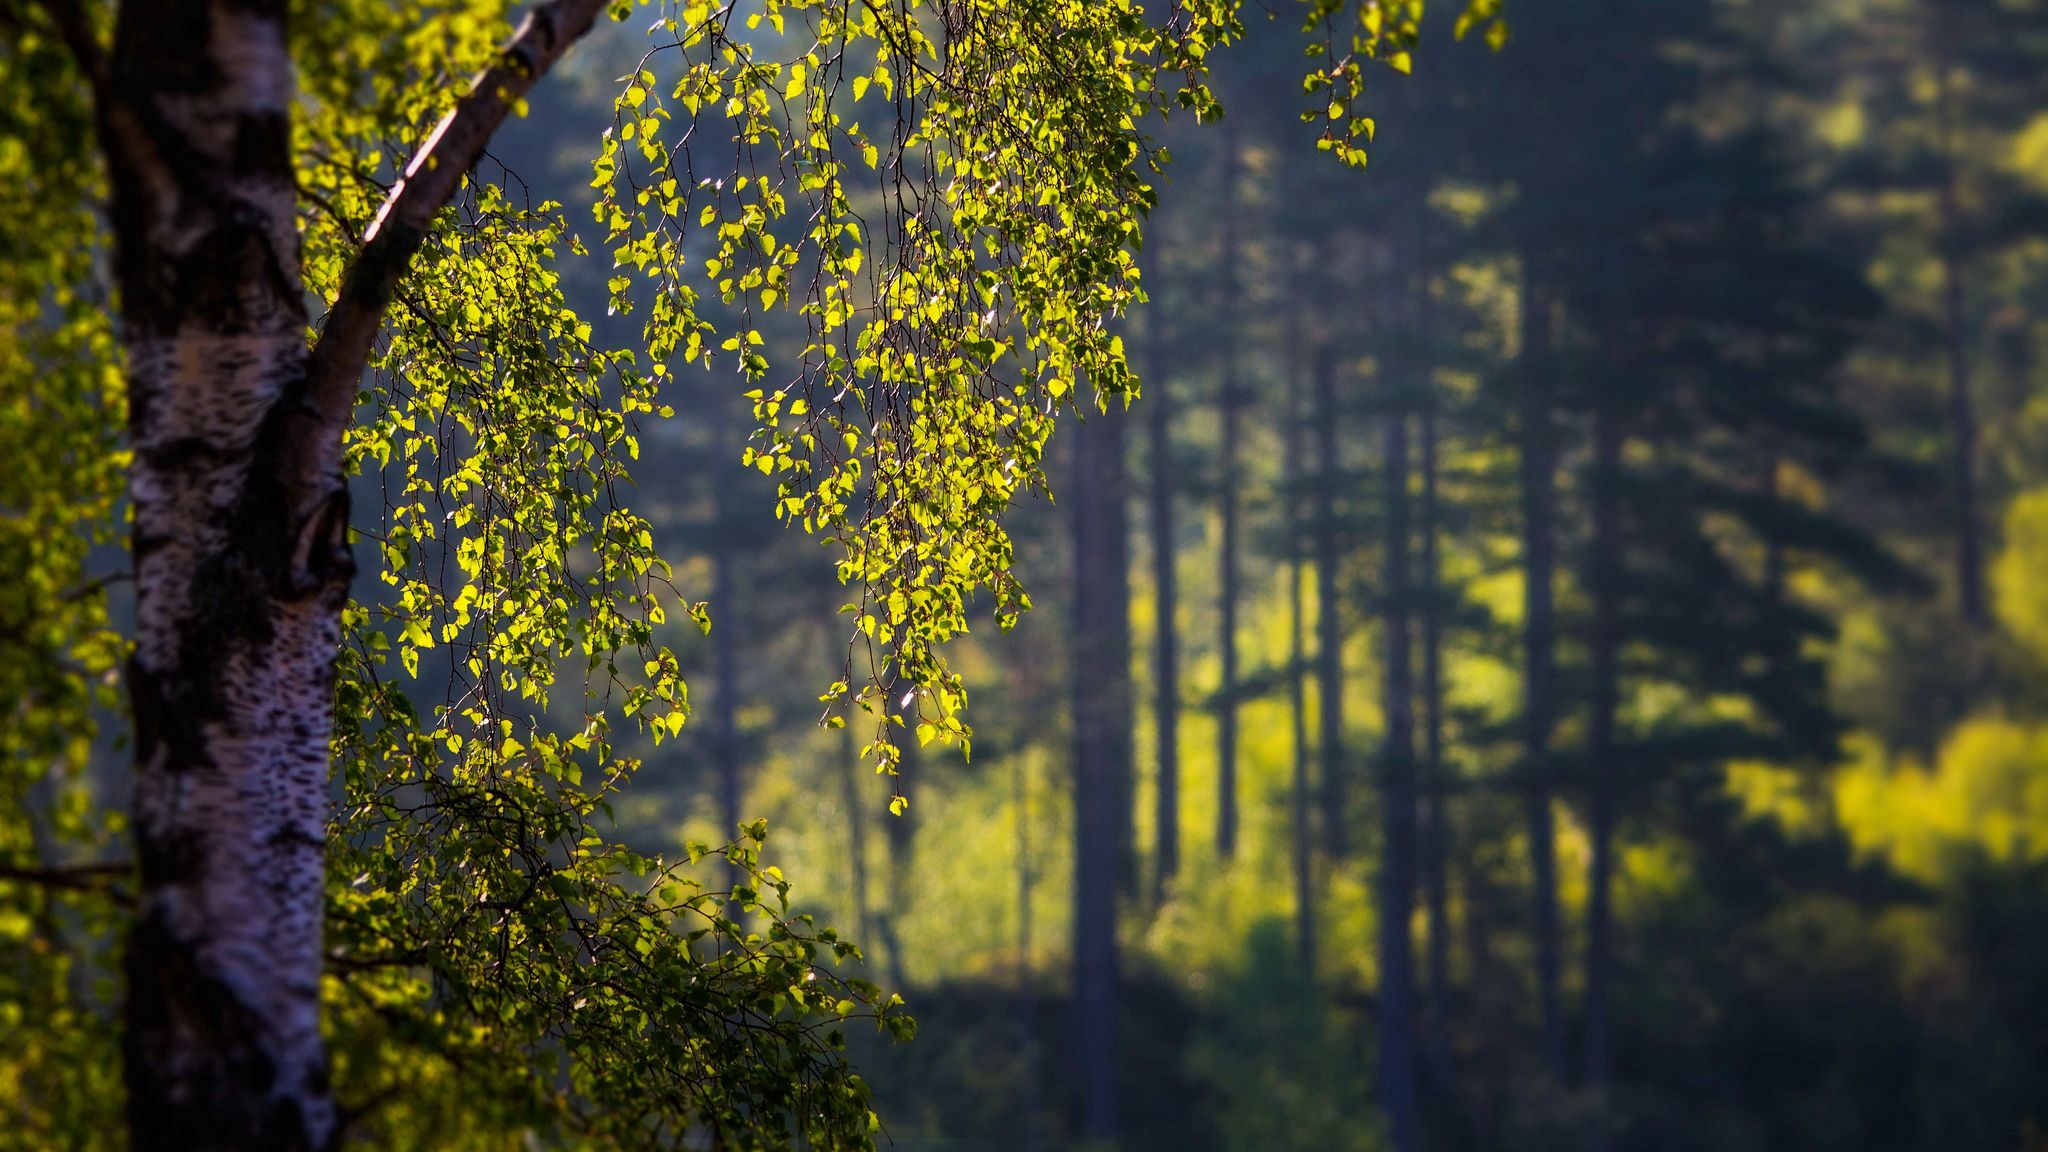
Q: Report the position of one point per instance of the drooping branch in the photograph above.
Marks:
(429, 183)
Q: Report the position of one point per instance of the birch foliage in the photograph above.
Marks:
(904, 228)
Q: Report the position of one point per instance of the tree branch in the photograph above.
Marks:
(430, 182)
(97, 877)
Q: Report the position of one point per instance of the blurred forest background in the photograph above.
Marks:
(1557, 657)
(1605, 540)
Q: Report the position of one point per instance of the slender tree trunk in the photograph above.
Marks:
(1302, 802)
(1605, 643)
(1437, 817)
(1770, 485)
(1479, 904)
(856, 831)
(1397, 807)
(1027, 999)
(1329, 618)
(900, 835)
(726, 759)
(725, 683)
(1020, 787)
(1165, 583)
(1781, 645)
(242, 566)
(1101, 688)
(1962, 405)
(1481, 1087)
(1229, 400)
(1539, 673)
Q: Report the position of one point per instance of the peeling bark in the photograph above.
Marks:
(241, 569)
(240, 545)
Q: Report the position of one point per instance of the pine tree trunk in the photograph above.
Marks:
(1229, 401)
(1027, 998)
(1101, 688)
(1166, 597)
(1539, 672)
(900, 836)
(856, 831)
(1782, 646)
(1604, 642)
(1397, 807)
(1962, 405)
(1302, 802)
(1329, 618)
(1436, 849)
(725, 742)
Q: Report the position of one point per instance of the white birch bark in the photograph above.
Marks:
(241, 561)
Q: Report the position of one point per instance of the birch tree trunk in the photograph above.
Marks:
(242, 566)
(241, 569)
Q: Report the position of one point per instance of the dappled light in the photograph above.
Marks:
(1345, 576)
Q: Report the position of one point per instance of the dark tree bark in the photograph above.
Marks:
(1782, 649)
(1962, 404)
(1539, 465)
(900, 836)
(1436, 849)
(1329, 617)
(1397, 805)
(1165, 592)
(1101, 687)
(725, 687)
(856, 830)
(1027, 998)
(1301, 800)
(1230, 400)
(240, 513)
(1605, 644)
